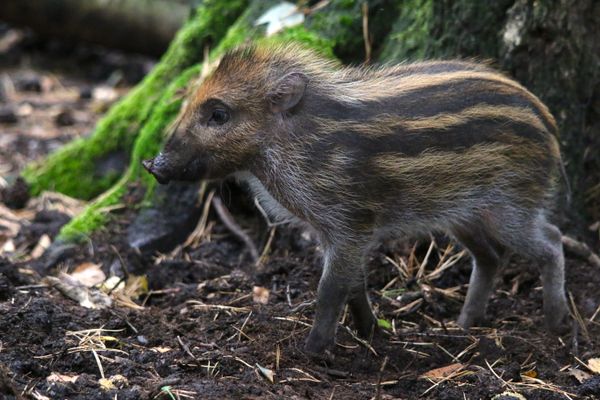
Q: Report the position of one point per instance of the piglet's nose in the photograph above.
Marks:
(148, 164)
(155, 166)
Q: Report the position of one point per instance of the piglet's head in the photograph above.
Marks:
(229, 119)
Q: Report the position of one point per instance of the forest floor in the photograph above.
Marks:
(205, 321)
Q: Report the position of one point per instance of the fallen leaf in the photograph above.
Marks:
(137, 285)
(384, 324)
(60, 378)
(73, 289)
(266, 373)
(443, 372)
(279, 17)
(122, 300)
(532, 373)
(579, 375)
(161, 349)
(58, 202)
(106, 384)
(594, 365)
(260, 295)
(9, 221)
(24, 110)
(113, 382)
(89, 274)
(8, 247)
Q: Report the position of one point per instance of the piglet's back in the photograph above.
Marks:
(434, 135)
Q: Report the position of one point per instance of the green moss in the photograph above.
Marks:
(410, 37)
(341, 23)
(309, 39)
(445, 28)
(72, 169)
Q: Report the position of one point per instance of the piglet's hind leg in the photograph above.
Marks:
(488, 255)
(335, 287)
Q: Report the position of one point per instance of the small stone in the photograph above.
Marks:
(64, 118)
(168, 222)
(85, 93)
(8, 115)
(15, 195)
(142, 340)
(24, 110)
(5, 288)
(105, 94)
(29, 83)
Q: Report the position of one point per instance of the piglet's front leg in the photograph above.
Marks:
(342, 280)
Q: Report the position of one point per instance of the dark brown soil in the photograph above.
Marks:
(201, 335)
(215, 352)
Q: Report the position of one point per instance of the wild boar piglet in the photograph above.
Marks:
(358, 153)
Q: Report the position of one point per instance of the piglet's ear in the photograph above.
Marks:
(287, 92)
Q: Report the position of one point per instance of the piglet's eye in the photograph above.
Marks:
(218, 117)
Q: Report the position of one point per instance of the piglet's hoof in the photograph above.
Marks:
(466, 321)
(319, 348)
(562, 325)
(324, 356)
(368, 330)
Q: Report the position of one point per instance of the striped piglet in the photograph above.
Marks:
(361, 153)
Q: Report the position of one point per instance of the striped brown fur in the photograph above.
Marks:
(358, 153)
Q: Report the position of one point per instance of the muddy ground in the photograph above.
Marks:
(205, 321)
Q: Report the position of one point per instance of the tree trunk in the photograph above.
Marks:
(141, 26)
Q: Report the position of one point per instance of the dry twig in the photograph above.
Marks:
(581, 249)
(233, 227)
(366, 35)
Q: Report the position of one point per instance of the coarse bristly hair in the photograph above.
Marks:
(360, 152)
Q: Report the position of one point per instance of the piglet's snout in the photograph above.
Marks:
(158, 168)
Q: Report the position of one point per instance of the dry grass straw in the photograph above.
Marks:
(94, 341)
(529, 383)
(198, 305)
(411, 269)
